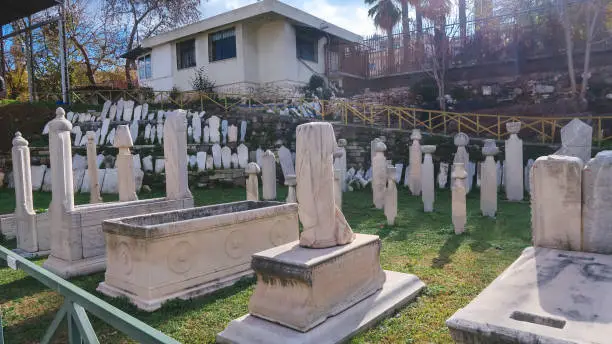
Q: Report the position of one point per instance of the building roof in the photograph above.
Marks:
(13, 10)
(242, 13)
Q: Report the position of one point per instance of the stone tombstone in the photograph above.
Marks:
(206, 134)
(112, 112)
(226, 157)
(471, 171)
(232, 133)
(461, 156)
(268, 175)
(224, 130)
(576, 140)
(243, 155)
(137, 113)
(38, 175)
(338, 188)
(213, 124)
(399, 168)
(175, 155)
(160, 132)
(252, 183)
(243, 130)
(286, 161)
(407, 176)
(526, 174)
(111, 181)
(514, 163)
(459, 211)
(137, 164)
(105, 109)
(77, 179)
(153, 134)
(290, 182)
(415, 163)
(323, 223)
(120, 105)
(235, 160)
(134, 130)
(192, 161)
(443, 175)
(147, 133)
(126, 183)
(488, 183)
(258, 154)
(62, 197)
(373, 150)
(596, 203)
(210, 164)
(160, 115)
(78, 135)
(427, 178)
(500, 173)
(104, 132)
(340, 163)
(196, 123)
(79, 161)
(92, 170)
(379, 175)
(147, 163)
(128, 110)
(27, 234)
(46, 185)
(556, 202)
(216, 153)
(111, 137)
(201, 161)
(391, 196)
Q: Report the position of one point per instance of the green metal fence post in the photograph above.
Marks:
(1, 331)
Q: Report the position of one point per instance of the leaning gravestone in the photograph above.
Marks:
(137, 114)
(105, 108)
(128, 109)
(206, 134)
(77, 179)
(576, 140)
(216, 153)
(119, 113)
(286, 161)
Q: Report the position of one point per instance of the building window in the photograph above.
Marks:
(306, 47)
(222, 45)
(185, 54)
(144, 67)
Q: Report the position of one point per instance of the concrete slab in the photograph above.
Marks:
(398, 290)
(545, 296)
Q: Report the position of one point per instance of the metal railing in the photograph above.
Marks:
(542, 129)
(77, 303)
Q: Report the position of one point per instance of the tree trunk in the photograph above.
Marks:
(390, 52)
(586, 74)
(419, 30)
(406, 33)
(569, 48)
(462, 21)
(89, 71)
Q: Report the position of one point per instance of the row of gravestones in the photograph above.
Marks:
(215, 129)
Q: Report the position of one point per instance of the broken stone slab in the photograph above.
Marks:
(545, 296)
(576, 140)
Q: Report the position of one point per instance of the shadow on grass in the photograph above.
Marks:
(447, 250)
(22, 287)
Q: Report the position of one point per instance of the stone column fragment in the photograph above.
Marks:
(27, 235)
(488, 183)
(340, 162)
(290, 182)
(125, 164)
(175, 155)
(268, 175)
(514, 163)
(556, 202)
(92, 169)
(458, 197)
(415, 163)
(379, 175)
(427, 179)
(391, 196)
(461, 156)
(596, 204)
(252, 184)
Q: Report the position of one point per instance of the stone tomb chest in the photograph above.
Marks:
(187, 253)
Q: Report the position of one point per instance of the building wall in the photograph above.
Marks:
(265, 57)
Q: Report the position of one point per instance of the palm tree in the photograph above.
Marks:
(405, 5)
(386, 15)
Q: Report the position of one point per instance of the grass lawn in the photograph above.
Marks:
(454, 267)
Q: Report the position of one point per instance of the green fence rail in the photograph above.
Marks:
(77, 303)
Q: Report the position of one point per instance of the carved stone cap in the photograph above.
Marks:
(291, 180)
(60, 123)
(91, 135)
(342, 143)
(461, 139)
(268, 153)
(459, 171)
(428, 149)
(391, 171)
(19, 141)
(123, 138)
(489, 148)
(513, 127)
(380, 147)
(416, 134)
(252, 168)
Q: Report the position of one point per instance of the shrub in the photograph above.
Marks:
(200, 81)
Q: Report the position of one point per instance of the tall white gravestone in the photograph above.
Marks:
(125, 165)
(514, 163)
(252, 184)
(428, 179)
(415, 162)
(443, 175)
(92, 170)
(488, 183)
(459, 211)
(340, 163)
(576, 140)
(27, 235)
(379, 173)
(290, 182)
(596, 203)
(461, 156)
(268, 175)
(175, 146)
(391, 196)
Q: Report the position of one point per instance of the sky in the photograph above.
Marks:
(347, 14)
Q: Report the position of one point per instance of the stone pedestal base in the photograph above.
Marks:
(148, 305)
(66, 269)
(32, 255)
(397, 291)
(545, 296)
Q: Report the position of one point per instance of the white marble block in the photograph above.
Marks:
(213, 123)
(379, 175)
(461, 156)
(391, 196)
(126, 182)
(514, 163)
(232, 133)
(27, 234)
(415, 163)
(488, 184)
(286, 161)
(216, 153)
(175, 154)
(340, 163)
(428, 183)
(459, 211)
(268, 176)
(226, 157)
(201, 161)
(243, 155)
(556, 202)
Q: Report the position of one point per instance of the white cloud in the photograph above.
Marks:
(351, 15)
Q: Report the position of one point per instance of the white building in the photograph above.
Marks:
(267, 44)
